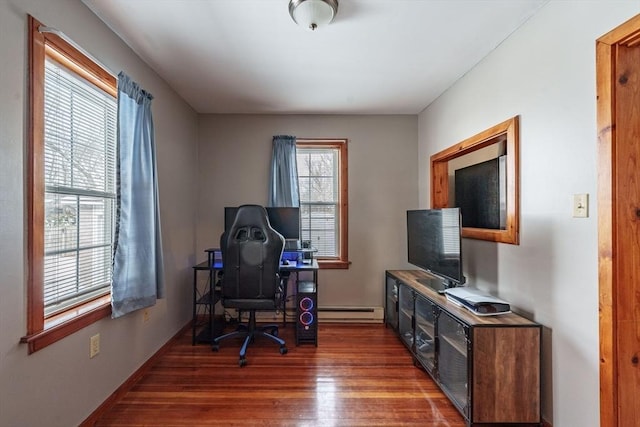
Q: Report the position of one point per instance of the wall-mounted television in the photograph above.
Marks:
(434, 244)
(481, 194)
(285, 221)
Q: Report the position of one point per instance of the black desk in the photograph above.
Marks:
(208, 297)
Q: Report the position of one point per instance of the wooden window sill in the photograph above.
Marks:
(66, 323)
(333, 264)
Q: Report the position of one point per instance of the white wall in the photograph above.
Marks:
(60, 385)
(545, 72)
(234, 159)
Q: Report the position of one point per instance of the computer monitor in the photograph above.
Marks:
(229, 216)
(285, 221)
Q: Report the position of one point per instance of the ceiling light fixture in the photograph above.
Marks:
(313, 14)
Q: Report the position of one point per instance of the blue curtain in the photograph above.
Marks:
(138, 277)
(283, 188)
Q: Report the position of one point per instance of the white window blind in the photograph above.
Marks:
(318, 180)
(80, 188)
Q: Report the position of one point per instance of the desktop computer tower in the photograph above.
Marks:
(306, 313)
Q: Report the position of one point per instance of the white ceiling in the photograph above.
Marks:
(376, 57)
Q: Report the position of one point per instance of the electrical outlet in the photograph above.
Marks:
(580, 205)
(145, 315)
(94, 346)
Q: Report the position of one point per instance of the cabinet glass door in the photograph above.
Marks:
(391, 304)
(425, 333)
(453, 365)
(405, 315)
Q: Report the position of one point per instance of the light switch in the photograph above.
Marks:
(581, 205)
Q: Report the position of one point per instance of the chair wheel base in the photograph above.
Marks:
(215, 347)
(283, 350)
(242, 362)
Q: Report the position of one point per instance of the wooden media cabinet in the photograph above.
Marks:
(488, 366)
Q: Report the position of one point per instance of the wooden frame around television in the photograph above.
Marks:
(506, 132)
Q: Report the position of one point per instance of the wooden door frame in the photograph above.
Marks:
(626, 34)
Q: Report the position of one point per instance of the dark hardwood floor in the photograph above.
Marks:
(359, 375)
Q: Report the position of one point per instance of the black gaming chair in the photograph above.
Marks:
(251, 253)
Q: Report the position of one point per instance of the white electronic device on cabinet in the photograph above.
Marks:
(477, 302)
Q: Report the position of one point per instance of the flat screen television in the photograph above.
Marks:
(480, 193)
(434, 244)
(285, 221)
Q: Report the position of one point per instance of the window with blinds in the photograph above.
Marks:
(80, 188)
(451, 232)
(318, 178)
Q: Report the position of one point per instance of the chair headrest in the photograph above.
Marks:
(251, 215)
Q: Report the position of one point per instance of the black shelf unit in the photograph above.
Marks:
(205, 298)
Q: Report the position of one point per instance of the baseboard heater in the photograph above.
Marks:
(331, 314)
(351, 314)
